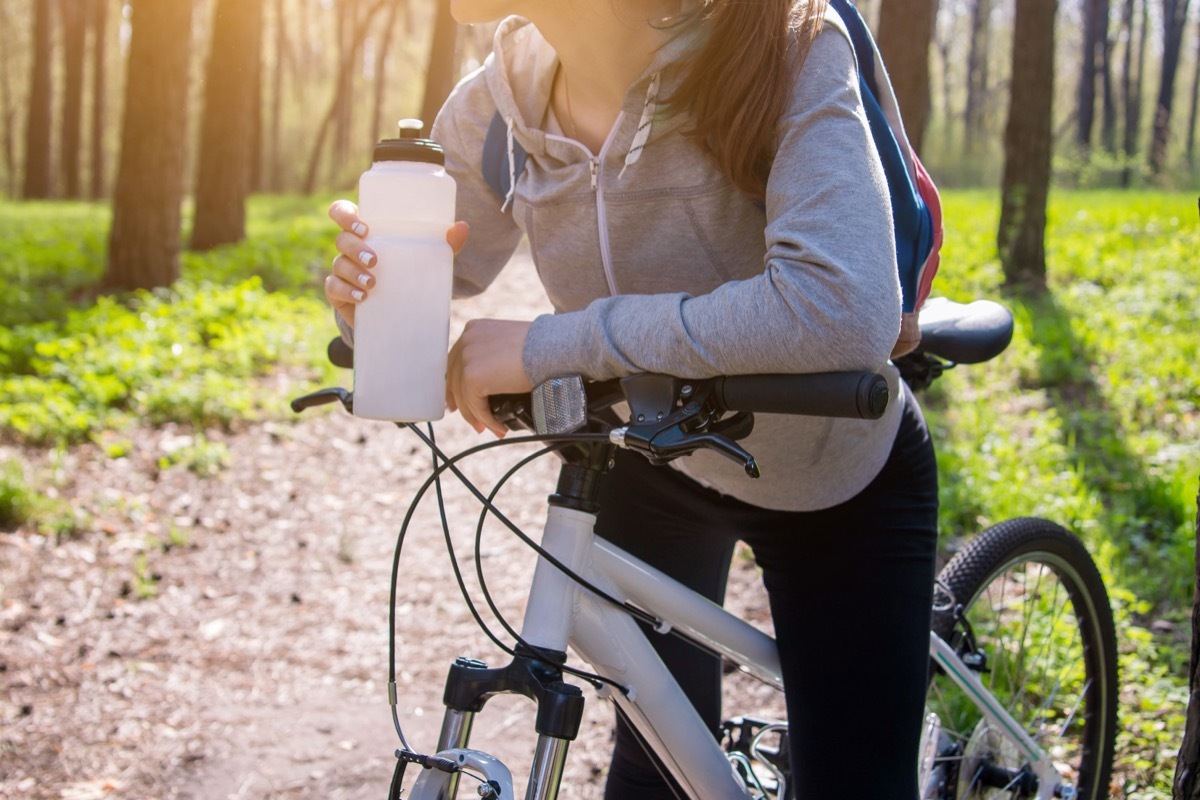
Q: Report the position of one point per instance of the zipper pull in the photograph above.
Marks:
(594, 164)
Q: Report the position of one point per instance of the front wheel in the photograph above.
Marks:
(1024, 606)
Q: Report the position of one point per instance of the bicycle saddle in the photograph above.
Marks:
(965, 333)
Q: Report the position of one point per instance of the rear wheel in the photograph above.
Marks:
(1024, 607)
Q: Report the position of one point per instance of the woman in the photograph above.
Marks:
(702, 197)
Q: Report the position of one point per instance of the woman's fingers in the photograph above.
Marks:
(486, 360)
(345, 214)
(457, 236)
(353, 272)
(351, 279)
(342, 292)
(355, 248)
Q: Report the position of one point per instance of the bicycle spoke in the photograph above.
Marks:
(1044, 647)
(1031, 613)
(1067, 665)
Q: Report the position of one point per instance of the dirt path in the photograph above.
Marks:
(257, 668)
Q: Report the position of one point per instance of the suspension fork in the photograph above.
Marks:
(538, 674)
(456, 731)
(471, 684)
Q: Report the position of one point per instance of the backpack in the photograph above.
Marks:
(916, 206)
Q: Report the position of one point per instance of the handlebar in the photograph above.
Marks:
(862, 395)
(668, 416)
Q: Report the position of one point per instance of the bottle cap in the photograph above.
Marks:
(410, 146)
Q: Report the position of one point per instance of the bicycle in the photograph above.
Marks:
(1022, 686)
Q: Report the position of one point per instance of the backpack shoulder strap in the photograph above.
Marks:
(860, 40)
(503, 158)
(916, 207)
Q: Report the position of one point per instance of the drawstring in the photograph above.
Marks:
(643, 128)
(512, 169)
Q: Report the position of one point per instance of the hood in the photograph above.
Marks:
(520, 73)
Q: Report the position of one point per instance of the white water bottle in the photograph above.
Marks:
(402, 329)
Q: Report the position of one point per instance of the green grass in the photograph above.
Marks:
(1092, 418)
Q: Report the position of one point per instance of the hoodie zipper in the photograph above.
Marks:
(594, 168)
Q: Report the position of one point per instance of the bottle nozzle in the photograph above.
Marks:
(411, 128)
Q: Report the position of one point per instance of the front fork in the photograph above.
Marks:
(560, 710)
(537, 674)
(545, 774)
(456, 733)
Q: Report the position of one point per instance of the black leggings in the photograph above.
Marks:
(850, 589)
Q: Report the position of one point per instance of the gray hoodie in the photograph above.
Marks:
(655, 262)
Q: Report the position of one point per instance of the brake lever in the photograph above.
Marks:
(673, 442)
(324, 396)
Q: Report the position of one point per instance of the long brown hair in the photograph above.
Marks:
(737, 85)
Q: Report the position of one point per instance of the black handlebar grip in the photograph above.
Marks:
(855, 395)
(340, 354)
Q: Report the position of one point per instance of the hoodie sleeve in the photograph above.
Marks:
(460, 128)
(829, 296)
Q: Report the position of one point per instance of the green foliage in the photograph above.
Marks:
(1093, 413)
(143, 583)
(1153, 702)
(183, 355)
(16, 498)
(70, 368)
(202, 456)
(1091, 418)
(21, 505)
(50, 256)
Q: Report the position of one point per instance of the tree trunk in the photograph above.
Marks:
(346, 63)
(1174, 19)
(8, 107)
(440, 76)
(1191, 129)
(1132, 83)
(1126, 86)
(255, 183)
(905, 31)
(1095, 38)
(70, 142)
(381, 57)
(227, 131)
(99, 26)
(977, 74)
(274, 143)
(39, 171)
(943, 45)
(1187, 767)
(1027, 145)
(350, 41)
(1108, 128)
(143, 249)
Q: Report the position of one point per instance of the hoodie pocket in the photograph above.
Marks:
(684, 240)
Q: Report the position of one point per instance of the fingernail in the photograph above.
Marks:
(357, 294)
(366, 257)
(363, 278)
(359, 228)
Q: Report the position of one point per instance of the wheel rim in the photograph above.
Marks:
(1035, 624)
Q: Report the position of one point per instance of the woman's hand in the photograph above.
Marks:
(486, 360)
(352, 278)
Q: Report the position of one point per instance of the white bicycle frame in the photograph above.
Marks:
(560, 612)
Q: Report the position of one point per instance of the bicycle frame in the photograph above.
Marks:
(560, 612)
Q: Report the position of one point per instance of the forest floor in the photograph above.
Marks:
(226, 636)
